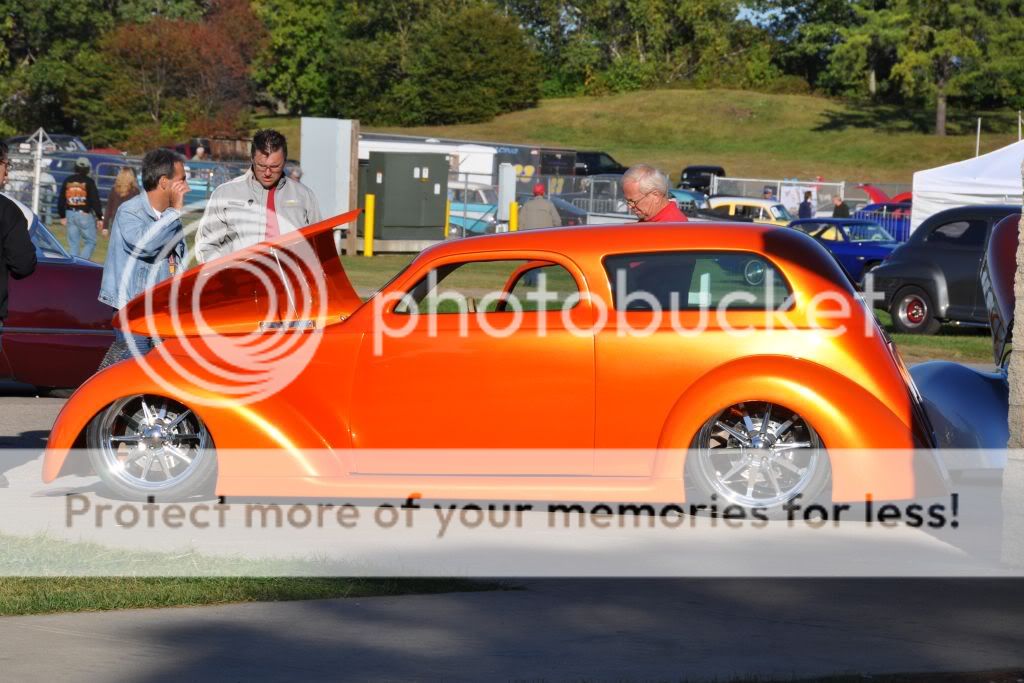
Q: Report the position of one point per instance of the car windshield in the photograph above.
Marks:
(490, 195)
(779, 212)
(45, 243)
(868, 232)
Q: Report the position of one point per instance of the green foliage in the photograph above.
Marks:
(464, 67)
(416, 62)
(40, 38)
(293, 66)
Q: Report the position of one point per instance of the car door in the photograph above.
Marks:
(464, 374)
(833, 239)
(675, 316)
(956, 247)
(56, 331)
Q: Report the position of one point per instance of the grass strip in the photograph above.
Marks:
(201, 580)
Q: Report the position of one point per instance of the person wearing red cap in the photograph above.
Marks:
(539, 212)
(646, 191)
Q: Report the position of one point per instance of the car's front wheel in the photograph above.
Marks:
(912, 312)
(146, 446)
(757, 454)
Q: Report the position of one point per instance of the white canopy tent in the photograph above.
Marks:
(993, 178)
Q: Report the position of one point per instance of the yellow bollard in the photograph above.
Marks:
(447, 216)
(368, 226)
(513, 217)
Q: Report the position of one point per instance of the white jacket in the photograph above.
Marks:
(236, 215)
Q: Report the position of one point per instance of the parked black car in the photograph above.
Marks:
(935, 276)
(699, 177)
(592, 163)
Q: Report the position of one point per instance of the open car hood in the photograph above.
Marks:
(997, 272)
(295, 280)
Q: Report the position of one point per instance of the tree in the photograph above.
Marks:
(293, 66)
(165, 78)
(470, 66)
(40, 38)
(806, 32)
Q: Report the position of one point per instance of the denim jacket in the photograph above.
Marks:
(140, 250)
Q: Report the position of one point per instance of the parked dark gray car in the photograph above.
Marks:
(935, 276)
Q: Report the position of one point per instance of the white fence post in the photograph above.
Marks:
(39, 136)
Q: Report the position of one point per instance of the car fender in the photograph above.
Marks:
(923, 274)
(967, 408)
(275, 425)
(870, 443)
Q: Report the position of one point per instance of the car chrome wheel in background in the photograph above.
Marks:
(912, 312)
(143, 446)
(757, 455)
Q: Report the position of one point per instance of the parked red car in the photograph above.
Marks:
(56, 331)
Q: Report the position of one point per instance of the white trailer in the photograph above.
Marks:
(468, 162)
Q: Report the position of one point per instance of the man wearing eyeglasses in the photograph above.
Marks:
(17, 254)
(260, 205)
(646, 191)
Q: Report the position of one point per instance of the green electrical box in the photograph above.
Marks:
(410, 190)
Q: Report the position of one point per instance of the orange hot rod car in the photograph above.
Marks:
(661, 362)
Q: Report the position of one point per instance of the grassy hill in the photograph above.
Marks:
(751, 134)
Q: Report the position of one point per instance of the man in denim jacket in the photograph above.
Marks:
(147, 242)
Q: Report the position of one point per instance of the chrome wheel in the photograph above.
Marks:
(913, 310)
(758, 455)
(148, 445)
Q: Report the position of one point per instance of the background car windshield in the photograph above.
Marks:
(489, 195)
(868, 232)
(779, 212)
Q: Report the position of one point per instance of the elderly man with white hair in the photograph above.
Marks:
(646, 191)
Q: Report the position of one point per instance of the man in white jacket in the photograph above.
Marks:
(257, 206)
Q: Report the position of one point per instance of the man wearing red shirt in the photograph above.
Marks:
(646, 191)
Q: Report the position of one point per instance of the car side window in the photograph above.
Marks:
(969, 233)
(831, 234)
(673, 281)
(480, 286)
(746, 211)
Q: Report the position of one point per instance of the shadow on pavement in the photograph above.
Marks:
(601, 630)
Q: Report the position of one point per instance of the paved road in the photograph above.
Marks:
(549, 629)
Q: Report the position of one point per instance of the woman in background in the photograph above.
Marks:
(126, 186)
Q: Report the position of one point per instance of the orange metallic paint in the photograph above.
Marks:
(592, 395)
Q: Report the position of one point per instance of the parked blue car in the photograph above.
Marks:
(859, 245)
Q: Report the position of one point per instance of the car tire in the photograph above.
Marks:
(151, 447)
(758, 456)
(913, 313)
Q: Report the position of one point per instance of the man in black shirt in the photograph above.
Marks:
(17, 255)
(80, 210)
(840, 209)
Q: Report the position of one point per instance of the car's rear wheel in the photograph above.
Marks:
(146, 446)
(912, 312)
(757, 455)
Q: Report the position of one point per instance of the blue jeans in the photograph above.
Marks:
(81, 229)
